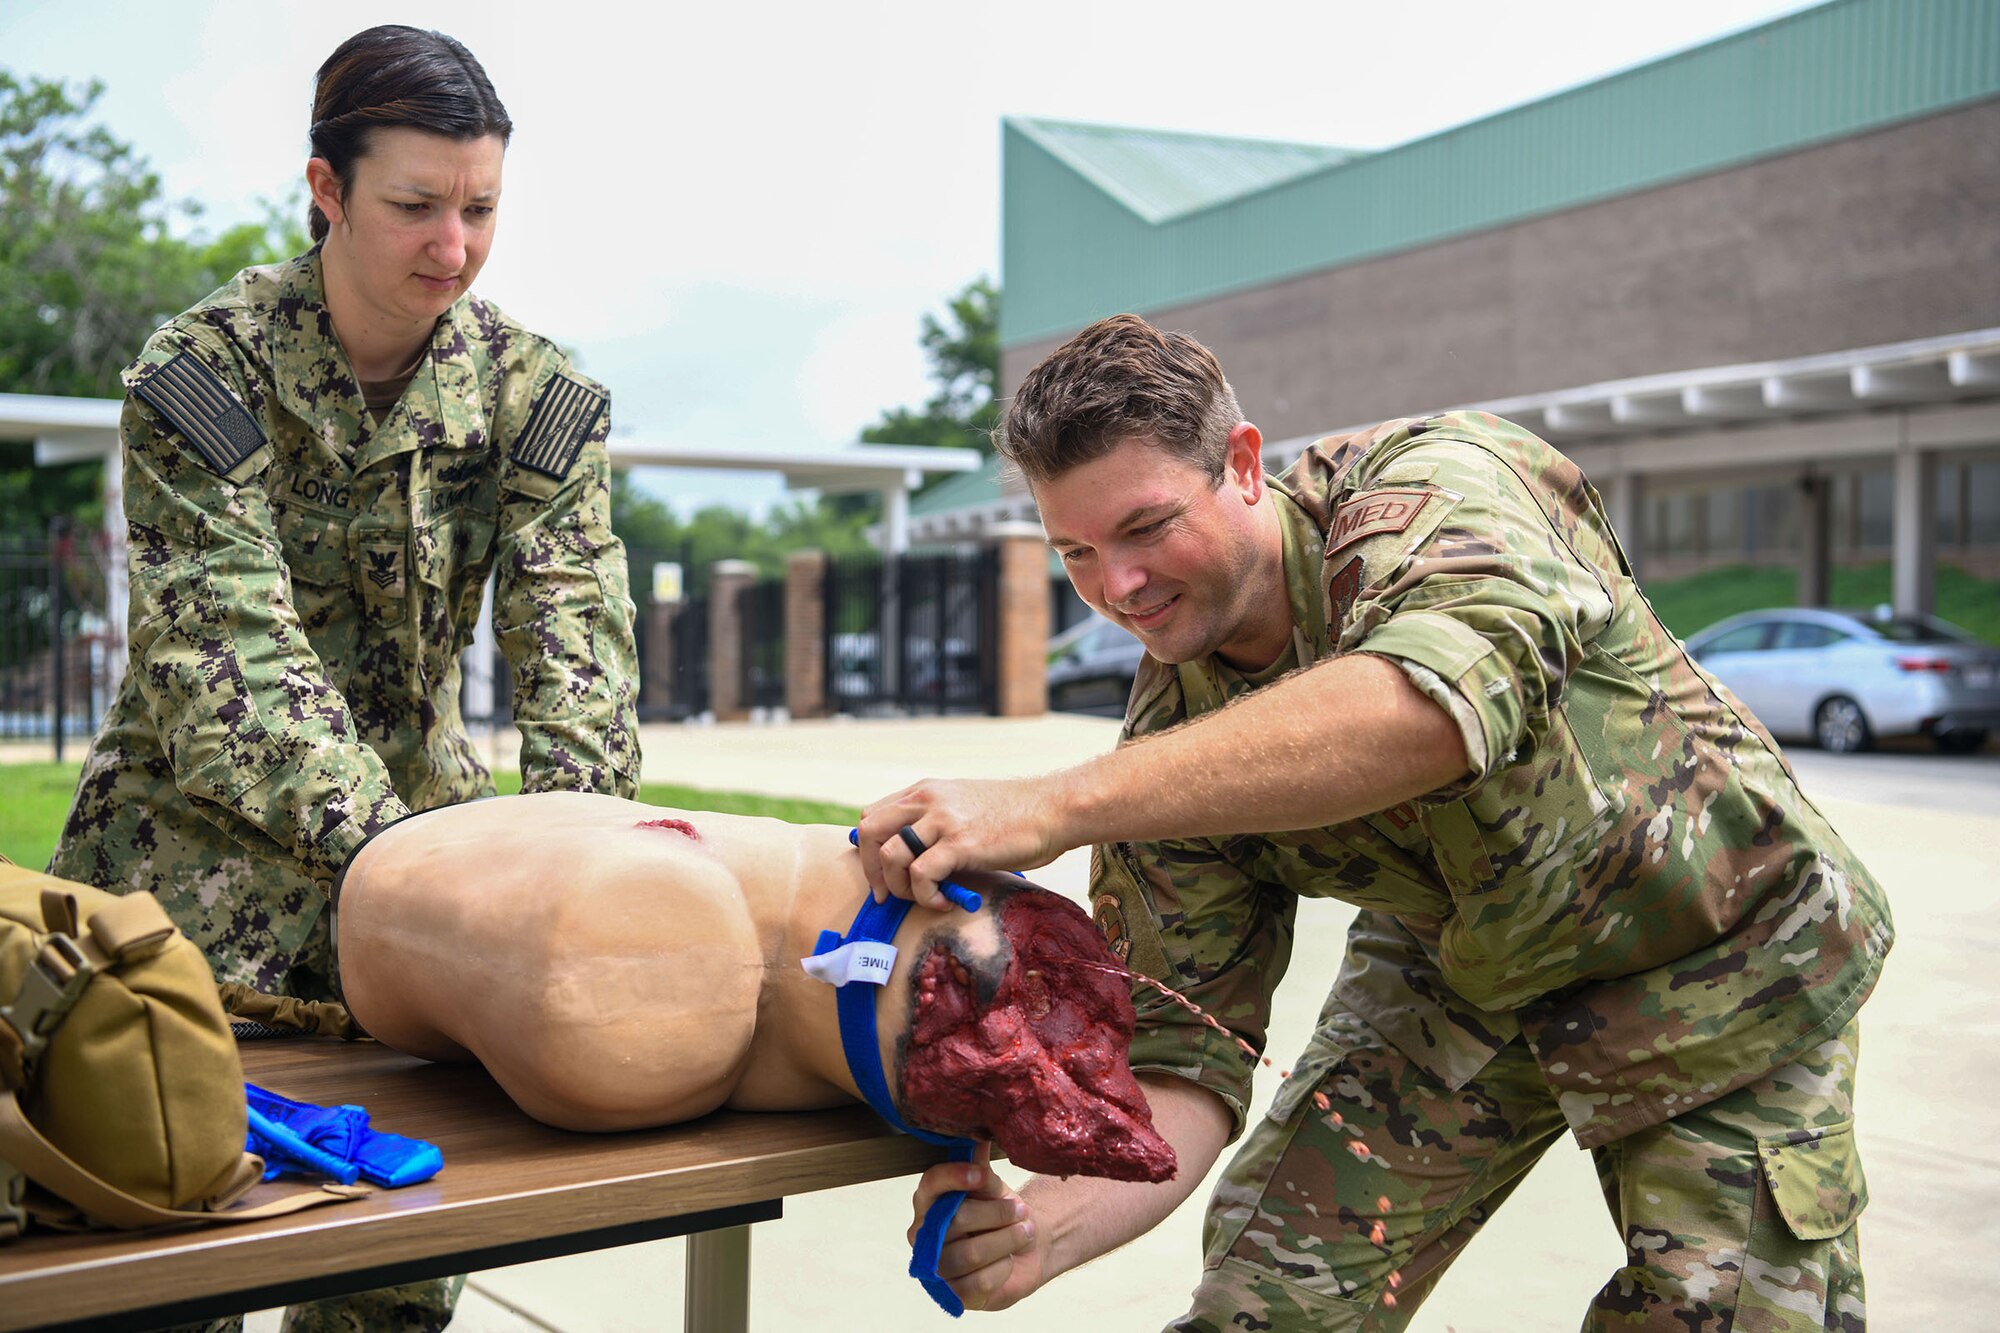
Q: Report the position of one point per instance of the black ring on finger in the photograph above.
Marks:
(911, 840)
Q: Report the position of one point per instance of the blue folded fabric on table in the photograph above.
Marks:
(298, 1138)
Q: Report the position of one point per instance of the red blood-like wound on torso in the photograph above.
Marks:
(680, 826)
(1040, 1067)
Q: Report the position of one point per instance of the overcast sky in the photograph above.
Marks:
(738, 213)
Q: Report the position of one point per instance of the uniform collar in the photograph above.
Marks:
(1305, 568)
(316, 384)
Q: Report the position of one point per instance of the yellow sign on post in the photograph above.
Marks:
(666, 581)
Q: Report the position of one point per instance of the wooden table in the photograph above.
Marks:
(512, 1190)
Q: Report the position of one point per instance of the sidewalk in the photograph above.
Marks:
(835, 1260)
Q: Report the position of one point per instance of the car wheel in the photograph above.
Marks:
(1841, 727)
(1966, 740)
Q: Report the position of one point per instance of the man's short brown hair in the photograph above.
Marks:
(1120, 379)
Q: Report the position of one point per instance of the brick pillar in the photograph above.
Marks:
(1023, 620)
(725, 639)
(805, 634)
(656, 688)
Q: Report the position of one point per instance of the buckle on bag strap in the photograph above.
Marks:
(13, 1201)
(50, 988)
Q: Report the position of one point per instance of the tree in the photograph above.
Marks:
(90, 265)
(652, 531)
(964, 353)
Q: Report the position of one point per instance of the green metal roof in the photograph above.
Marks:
(1161, 175)
(959, 490)
(1095, 224)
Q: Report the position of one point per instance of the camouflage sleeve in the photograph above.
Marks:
(1449, 566)
(258, 739)
(562, 611)
(1185, 915)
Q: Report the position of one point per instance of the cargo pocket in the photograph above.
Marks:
(1815, 1180)
(1338, 1034)
(1802, 1265)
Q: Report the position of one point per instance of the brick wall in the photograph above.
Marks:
(805, 634)
(1023, 687)
(725, 641)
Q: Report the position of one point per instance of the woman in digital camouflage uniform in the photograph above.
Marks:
(325, 460)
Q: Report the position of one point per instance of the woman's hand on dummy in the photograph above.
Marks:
(994, 1254)
(980, 824)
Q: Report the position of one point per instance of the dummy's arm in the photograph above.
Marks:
(1004, 1245)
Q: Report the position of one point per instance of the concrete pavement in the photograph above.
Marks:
(1926, 1114)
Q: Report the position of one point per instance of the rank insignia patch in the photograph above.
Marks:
(201, 407)
(1341, 592)
(558, 426)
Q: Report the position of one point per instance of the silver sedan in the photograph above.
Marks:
(1844, 678)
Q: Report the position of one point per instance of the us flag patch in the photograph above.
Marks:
(201, 407)
(558, 426)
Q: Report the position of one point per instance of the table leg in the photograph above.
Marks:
(718, 1281)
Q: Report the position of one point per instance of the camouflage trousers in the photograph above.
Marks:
(1347, 1203)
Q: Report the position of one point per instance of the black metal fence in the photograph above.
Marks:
(760, 618)
(688, 674)
(915, 632)
(60, 655)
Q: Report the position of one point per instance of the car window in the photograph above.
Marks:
(1743, 639)
(1904, 630)
(1806, 634)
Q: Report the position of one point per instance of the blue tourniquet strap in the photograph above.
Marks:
(929, 1244)
(299, 1138)
(855, 1003)
(283, 1150)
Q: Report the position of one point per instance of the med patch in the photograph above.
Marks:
(558, 426)
(196, 402)
(1372, 513)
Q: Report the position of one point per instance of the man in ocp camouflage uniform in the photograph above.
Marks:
(304, 579)
(1594, 899)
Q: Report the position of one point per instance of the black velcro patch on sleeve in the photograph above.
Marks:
(558, 426)
(201, 407)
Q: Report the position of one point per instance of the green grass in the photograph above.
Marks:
(1691, 604)
(789, 809)
(33, 800)
(35, 797)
